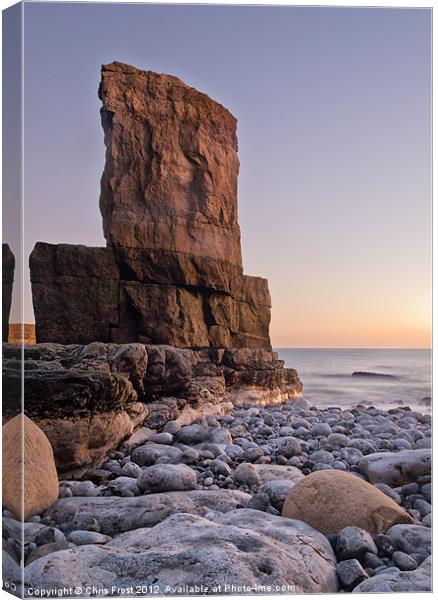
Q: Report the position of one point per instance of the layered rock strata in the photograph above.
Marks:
(172, 270)
(83, 294)
(87, 399)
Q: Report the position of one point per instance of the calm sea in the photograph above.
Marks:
(328, 381)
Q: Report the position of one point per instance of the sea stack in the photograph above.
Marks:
(172, 269)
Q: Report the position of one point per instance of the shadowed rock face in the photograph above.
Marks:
(8, 267)
(87, 399)
(172, 270)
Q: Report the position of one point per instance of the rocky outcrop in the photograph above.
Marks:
(8, 267)
(38, 470)
(87, 399)
(170, 177)
(172, 270)
(330, 500)
(241, 548)
(83, 294)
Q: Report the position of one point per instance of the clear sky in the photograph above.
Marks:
(334, 126)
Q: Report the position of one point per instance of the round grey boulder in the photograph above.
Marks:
(167, 478)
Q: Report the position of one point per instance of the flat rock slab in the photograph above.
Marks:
(397, 468)
(243, 548)
(117, 515)
(419, 580)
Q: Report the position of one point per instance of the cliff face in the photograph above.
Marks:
(172, 270)
(170, 178)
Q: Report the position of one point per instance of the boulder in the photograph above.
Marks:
(114, 515)
(397, 468)
(167, 478)
(419, 580)
(38, 470)
(330, 500)
(244, 548)
(411, 538)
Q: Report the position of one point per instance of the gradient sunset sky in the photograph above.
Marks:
(334, 127)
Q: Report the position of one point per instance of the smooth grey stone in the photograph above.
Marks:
(277, 490)
(288, 446)
(321, 456)
(120, 485)
(247, 474)
(320, 430)
(388, 491)
(372, 561)
(131, 469)
(395, 580)
(350, 573)
(220, 467)
(148, 454)
(426, 490)
(83, 537)
(167, 478)
(427, 520)
(410, 538)
(403, 561)
(354, 542)
(423, 507)
(161, 438)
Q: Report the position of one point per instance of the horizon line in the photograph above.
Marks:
(351, 348)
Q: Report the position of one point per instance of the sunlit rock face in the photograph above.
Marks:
(170, 177)
(172, 269)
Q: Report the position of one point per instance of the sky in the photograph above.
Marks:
(334, 128)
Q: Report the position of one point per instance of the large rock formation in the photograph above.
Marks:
(87, 399)
(172, 269)
(170, 178)
(8, 267)
(83, 294)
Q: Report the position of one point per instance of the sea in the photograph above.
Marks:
(400, 377)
